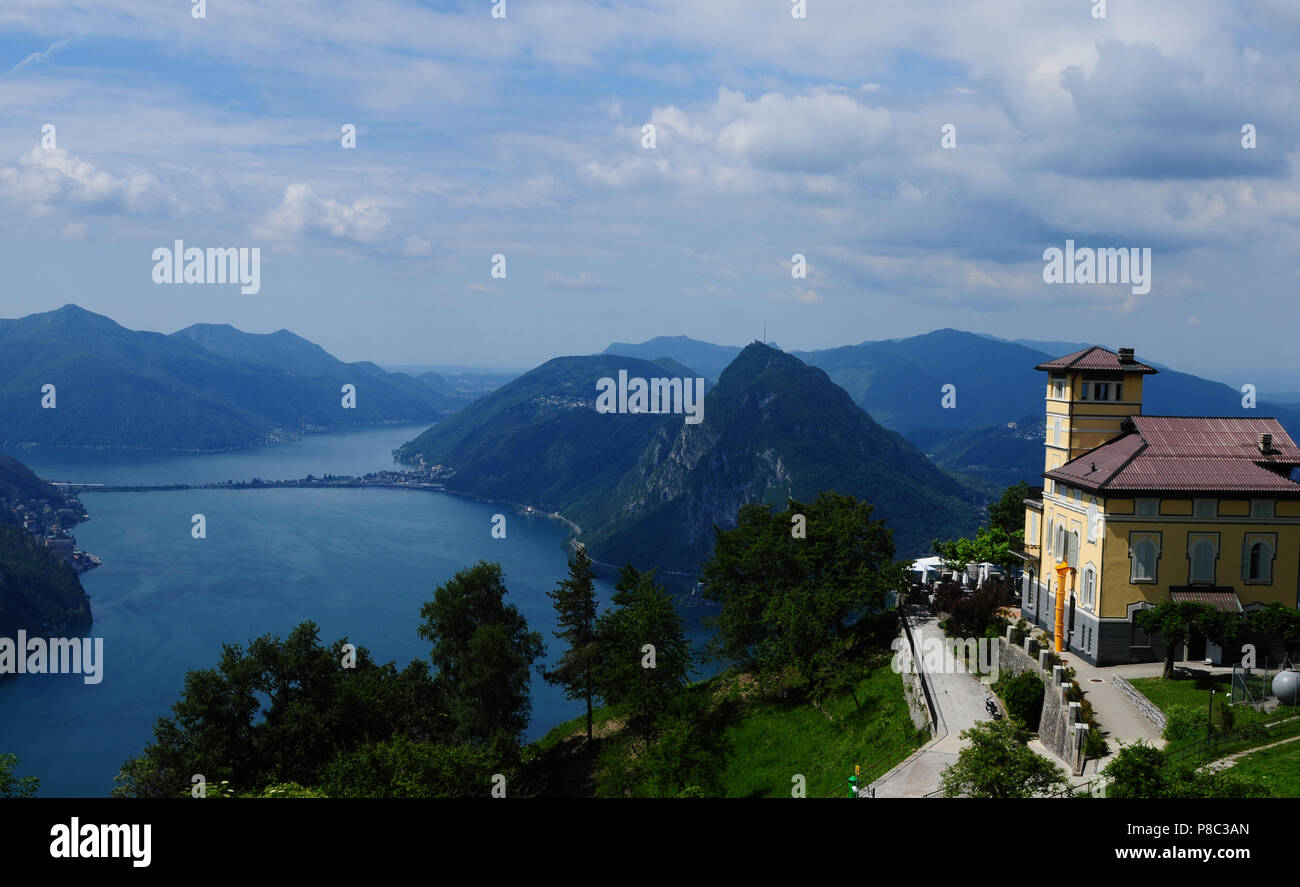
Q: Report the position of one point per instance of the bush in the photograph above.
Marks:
(1019, 632)
(1183, 723)
(1023, 695)
(1095, 745)
(971, 615)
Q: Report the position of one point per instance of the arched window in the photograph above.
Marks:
(1089, 586)
(1144, 551)
(1257, 564)
(1094, 516)
(1051, 537)
(1202, 556)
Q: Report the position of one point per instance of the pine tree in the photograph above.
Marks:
(575, 606)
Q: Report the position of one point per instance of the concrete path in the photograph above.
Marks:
(1230, 760)
(959, 702)
(1120, 719)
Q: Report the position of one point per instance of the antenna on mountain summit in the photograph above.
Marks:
(765, 332)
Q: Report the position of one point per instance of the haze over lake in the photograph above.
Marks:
(358, 562)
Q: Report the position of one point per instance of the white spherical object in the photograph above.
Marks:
(1286, 685)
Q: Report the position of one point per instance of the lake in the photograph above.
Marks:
(357, 562)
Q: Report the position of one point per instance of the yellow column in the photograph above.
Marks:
(1058, 636)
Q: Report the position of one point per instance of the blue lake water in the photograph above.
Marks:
(357, 562)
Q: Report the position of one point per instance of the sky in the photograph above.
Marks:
(774, 135)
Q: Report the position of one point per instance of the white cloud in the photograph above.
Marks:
(581, 282)
(45, 177)
(302, 212)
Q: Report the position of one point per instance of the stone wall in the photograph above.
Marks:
(1146, 706)
(1059, 728)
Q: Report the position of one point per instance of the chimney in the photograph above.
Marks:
(1265, 442)
(1126, 355)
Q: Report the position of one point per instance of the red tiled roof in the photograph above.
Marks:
(1232, 437)
(1224, 600)
(1095, 358)
(1188, 454)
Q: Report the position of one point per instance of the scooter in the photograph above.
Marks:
(992, 707)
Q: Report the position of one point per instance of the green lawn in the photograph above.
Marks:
(773, 742)
(1194, 692)
(1278, 768)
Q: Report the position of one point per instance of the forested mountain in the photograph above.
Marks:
(205, 388)
(539, 440)
(649, 489)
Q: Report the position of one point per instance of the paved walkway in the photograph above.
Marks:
(1120, 720)
(959, 702)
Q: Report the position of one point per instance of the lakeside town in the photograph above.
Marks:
(51, 524)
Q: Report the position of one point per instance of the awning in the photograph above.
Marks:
(1222, 599)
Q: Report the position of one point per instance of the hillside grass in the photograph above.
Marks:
(771, 740)
(1278, 768)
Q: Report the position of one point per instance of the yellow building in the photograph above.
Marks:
(1145, 509)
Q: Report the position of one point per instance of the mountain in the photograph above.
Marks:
(999, 455)
(205, 388)
(900, 382)
(649, 489)
(707, 358)
(19, 482)
(286, 352)
(774, 428)
(539, 440)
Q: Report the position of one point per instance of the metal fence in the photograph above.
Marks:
(1285, 722)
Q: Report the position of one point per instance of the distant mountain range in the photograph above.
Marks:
(900, 383)
(207, 387)
(649, 488)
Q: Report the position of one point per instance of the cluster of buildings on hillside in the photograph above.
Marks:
(51, 524)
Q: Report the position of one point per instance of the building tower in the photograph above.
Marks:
(1089, 395)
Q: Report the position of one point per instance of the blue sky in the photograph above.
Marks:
(774, 136)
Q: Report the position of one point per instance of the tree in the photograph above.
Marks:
(1137, 772)
(998, 764)
(1174, 620)
(1280, 621)
(791, 601)
(403, 768)
(687, 758)
(484, 654)
(15, 787)
(992, 545)
(1008, 513)
(640, 681)
(279, 712)
(575, 606)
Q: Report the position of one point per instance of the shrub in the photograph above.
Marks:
(1023, 695)
(1094, 746)
(1183, 723)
